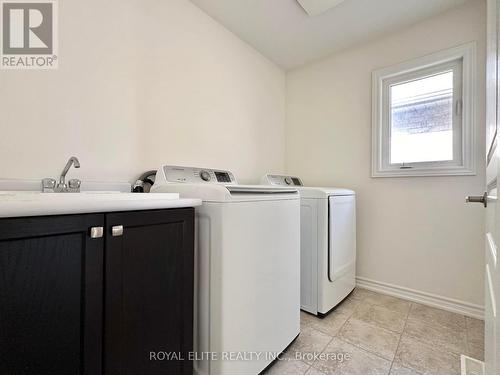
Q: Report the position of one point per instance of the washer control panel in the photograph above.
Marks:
(282, 180)
(198, 175)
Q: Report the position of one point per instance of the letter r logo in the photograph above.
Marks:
(27, 28)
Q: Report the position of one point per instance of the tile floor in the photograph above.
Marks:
(375, 334)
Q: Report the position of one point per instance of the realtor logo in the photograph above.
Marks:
(29, 34)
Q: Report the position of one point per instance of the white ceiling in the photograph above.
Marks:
(286, 34)
(315, 7)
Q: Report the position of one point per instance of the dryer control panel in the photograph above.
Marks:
(281, 180)
(198, 175)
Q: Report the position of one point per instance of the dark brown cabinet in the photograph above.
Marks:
(51, 283)
(73, 304)
(149, 293)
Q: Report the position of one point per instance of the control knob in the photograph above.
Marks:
(288, 180)
(205, 176)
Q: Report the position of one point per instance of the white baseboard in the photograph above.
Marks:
(449, 304)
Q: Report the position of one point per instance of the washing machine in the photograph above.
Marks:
(327, 241)
(247, 283)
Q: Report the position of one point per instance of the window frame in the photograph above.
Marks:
(464, 90)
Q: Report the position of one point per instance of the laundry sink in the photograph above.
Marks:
(85, 195)
(27, 203)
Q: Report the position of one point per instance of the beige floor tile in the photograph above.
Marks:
(475, 332)
(287, 367)
(330, 324)
(305, 318)
(347, 306)
(389, 302)
(433, 315)
(359, 294)
(397, 369)
(426, 359)
(378, 315)
(310, 341)
(368, 327)
(450, 339)
(369, 337)
(356, 361)
(313, 371)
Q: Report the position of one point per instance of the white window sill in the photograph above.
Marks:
(424, 172)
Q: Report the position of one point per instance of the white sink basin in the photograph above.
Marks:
(86, 195)
(21, 203)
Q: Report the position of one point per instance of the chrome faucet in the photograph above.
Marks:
(73, 186)
(62, 180)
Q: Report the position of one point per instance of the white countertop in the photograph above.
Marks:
(17, 204)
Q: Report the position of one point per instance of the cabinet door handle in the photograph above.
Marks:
(117, 230)
(96, 232)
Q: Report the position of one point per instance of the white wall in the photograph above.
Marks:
(152, 82)
(140, 84)
(412, 232)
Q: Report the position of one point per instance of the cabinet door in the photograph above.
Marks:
(51, 295)
(149, 292)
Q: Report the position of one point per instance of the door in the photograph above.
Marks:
(51, 295)
(492, 268)
(149, 292)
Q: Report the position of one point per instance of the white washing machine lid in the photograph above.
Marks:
(260, 189)
(305, 191)
(323, 192)
(227, 193)
(211, 185)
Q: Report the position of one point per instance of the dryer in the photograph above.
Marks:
(247, 285)
(327, 241)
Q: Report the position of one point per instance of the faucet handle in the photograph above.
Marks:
(48, 185)
(74, 185)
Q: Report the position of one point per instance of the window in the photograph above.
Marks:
(423, 116)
